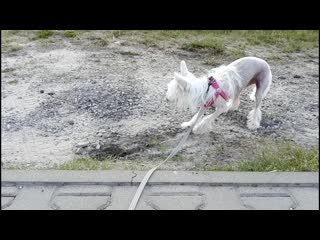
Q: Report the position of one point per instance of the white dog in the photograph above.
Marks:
(226, 83)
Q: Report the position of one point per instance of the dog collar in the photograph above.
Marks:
(213, 83)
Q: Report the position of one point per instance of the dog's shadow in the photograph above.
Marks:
(236, 118)
(268, 124)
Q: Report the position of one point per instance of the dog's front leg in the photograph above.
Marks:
(190, 123)
(208, 121)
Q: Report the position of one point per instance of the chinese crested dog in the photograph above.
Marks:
(221, 89)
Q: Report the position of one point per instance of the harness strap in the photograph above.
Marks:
(213, 83)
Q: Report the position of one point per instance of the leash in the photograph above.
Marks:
(218, 92)
(172, 154)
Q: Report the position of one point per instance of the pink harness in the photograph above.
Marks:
(213, 83)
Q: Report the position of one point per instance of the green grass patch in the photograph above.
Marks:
(222, 43)
(151, 142)
(86, 164)
(215, 40)
(215, 46)
(108, 163)
(70, 33)
(44, 33)
(284, 157)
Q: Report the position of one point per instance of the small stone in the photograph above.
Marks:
(41, 91)
(14, 81)
(50, 93)
(71, 122)
(296, 76)
(83, 144)
(78, 150)
(281, 77)
(273, 135)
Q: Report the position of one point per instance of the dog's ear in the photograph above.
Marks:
(183, 69)
(182, 81)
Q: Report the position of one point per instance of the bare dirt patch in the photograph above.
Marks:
(70, 99)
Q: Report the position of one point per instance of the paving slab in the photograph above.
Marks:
(166, 190)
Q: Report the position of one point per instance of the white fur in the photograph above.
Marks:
(188, 91)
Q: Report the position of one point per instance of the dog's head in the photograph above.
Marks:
(185, 90)
(178, 87)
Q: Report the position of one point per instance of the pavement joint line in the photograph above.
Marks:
(227, 184)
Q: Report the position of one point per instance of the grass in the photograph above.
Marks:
(286, 157)
(108, 163)
(225, 45)
(70, 33)
(229, 44)
(270, 156)
(87, 164)
(216, 41)
(44, 33)
(214, 45)
(151, 142)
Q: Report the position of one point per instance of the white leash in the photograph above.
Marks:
(150, 172)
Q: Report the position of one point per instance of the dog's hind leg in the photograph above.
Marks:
(254, 116)
(252, 95)
(262, 88)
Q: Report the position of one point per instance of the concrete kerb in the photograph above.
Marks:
(133, 178)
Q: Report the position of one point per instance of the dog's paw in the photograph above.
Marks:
(253, 124)
(185, 125)
(254, 118)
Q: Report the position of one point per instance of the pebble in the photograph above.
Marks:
(50, 93)
(41, 91)
(296, 76)
(83, 144)
(13, 81)
(78, 150)
(71, 122)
